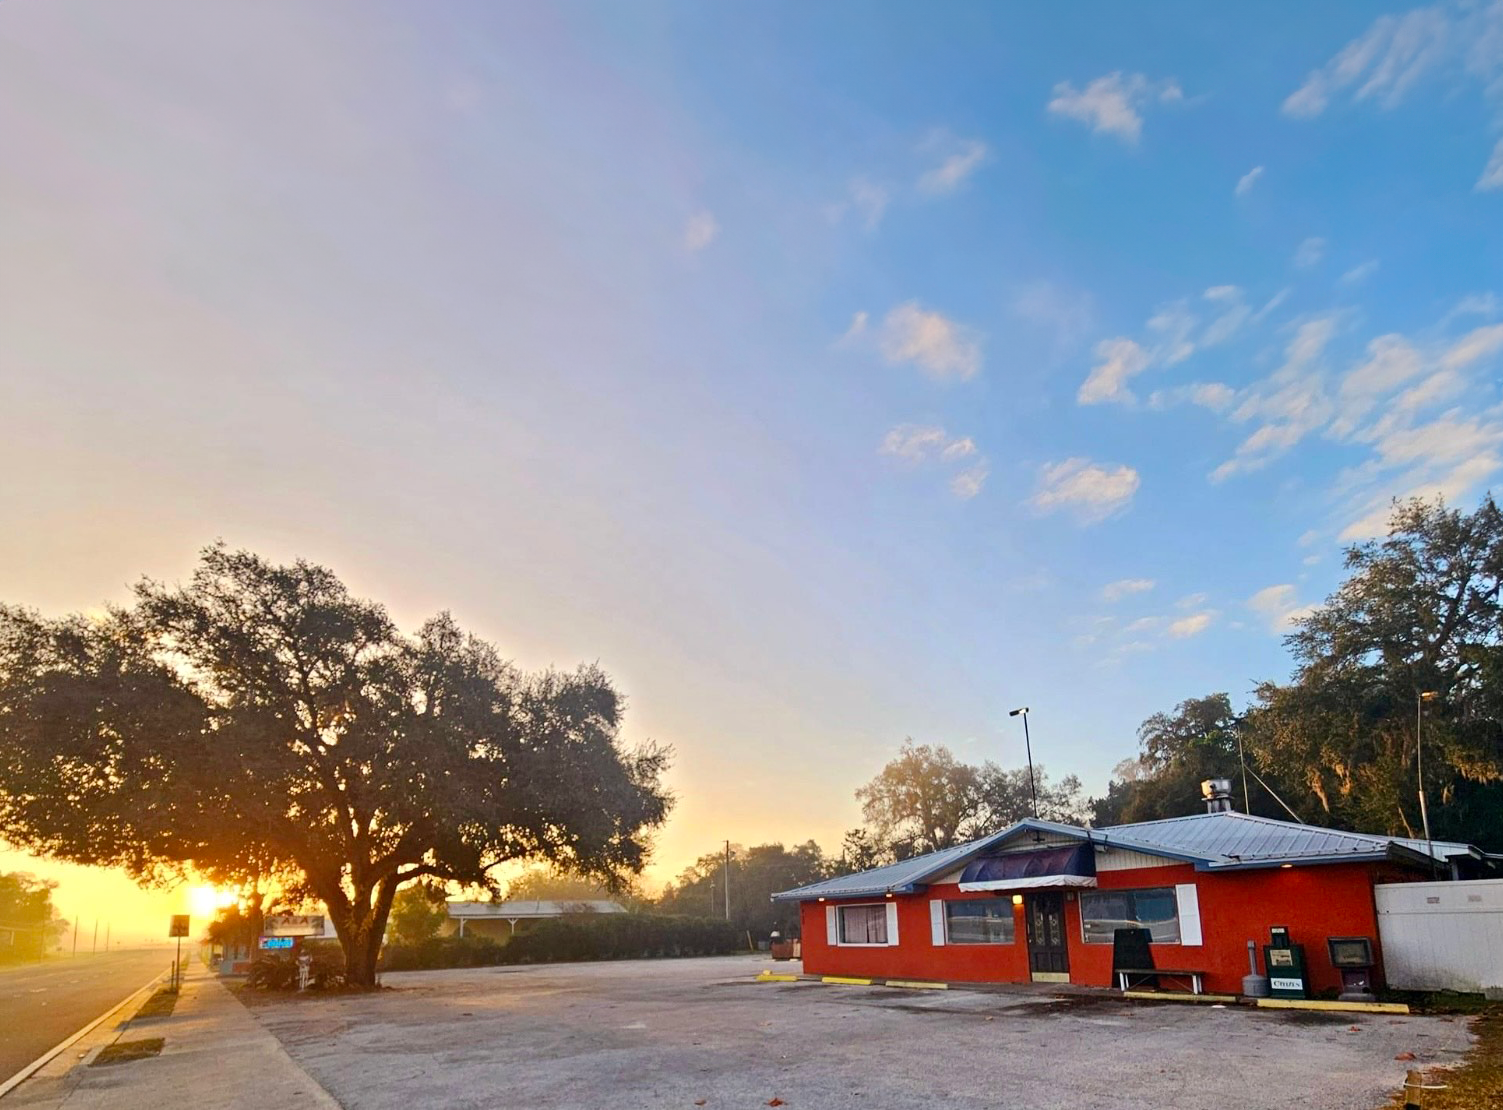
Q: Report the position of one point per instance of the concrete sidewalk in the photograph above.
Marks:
(216, 1055)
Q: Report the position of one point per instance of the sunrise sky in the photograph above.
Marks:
(829, 373)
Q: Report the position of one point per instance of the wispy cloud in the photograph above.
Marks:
(700, 231)
(1289, 405)
(1310, 252)
(1383, 62)
(1192, 625)
(855, 331)
(1492, 174)
(1126, 587)
(1247, 181)
(1120, 360)
(1279, 607)
(919, 444)
(959, 159)
(936, 344)
(1360, 273)
(1402, 402)
(1171, 335)
(1113, 104)
(1459, 42)
(1091, 491)
(866, 199)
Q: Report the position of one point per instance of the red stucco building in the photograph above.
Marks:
(1041, 901)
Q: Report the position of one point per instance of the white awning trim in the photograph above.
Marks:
(1037, 882)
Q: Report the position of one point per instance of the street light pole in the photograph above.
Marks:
(1420, 697)
(1028, 747)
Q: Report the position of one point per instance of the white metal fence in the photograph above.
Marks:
(1442, 936)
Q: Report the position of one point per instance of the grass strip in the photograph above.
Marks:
(123, 1052)
(159, 1005)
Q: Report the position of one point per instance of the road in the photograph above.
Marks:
(42, 1004)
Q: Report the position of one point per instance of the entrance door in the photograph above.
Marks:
(1048, 957)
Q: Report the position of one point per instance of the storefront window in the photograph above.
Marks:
(979, 921)
(863, 924)
(1103, 912)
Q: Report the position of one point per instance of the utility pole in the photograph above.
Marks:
(75, 935)
(727, 880)
(712, 896)
(106, 938)
(1419, 758)
(1242, 762)
(94, 951)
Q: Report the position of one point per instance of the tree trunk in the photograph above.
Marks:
(367, 929)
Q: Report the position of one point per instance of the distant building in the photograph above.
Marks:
(499, 920)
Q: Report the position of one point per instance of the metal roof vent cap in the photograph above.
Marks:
(1218, 795)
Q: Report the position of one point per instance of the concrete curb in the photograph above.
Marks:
(1179, 996)
(1136, 996)
(1336, 1007)
(52, 1053)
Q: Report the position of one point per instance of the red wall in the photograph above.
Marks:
(1235, 907)
(915, 956)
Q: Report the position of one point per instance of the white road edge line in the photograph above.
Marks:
(47, 1057)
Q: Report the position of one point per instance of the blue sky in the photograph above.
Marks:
(829, 373)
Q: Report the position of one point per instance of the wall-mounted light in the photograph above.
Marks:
(889, 894)
(821, 899)
(1017, 899)
(1286, 865)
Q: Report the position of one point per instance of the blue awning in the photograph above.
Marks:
(1072, 865)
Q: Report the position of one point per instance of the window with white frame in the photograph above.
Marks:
(1156, 909)
(979, 921)
(863, 924)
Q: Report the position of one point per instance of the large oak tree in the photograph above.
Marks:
(260, 724)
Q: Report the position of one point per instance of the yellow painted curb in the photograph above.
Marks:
(845, 981)
(774, 977)
(1179, 996)
(918, 985)
(1342, 1007)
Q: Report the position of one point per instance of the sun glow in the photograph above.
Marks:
(204, 901)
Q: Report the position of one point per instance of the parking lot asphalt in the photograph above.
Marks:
(700, 1032)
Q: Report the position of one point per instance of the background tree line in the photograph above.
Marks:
(1419, 613)
(29, 922)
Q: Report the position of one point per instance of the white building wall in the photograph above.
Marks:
(1121, 859)
(1442, 936)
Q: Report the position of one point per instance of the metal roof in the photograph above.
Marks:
(1228, 839)
(1211, 841)
(519, 910)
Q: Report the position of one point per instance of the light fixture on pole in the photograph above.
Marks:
(1028, 747)
(1420, 697)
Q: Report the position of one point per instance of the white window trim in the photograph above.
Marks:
(1178, 919)
(945, 917)
(1187, 908)
(891, 940)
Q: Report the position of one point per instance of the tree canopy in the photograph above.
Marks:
(756, 874)
(549, 884)
(926, 800)
(260, 724)
(28, 919)
(1419, 612)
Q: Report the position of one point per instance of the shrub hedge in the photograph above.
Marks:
(613, 936)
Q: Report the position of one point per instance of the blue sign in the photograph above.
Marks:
(278, 942)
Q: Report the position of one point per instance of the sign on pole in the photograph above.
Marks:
(293, 925)
(178, 929)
